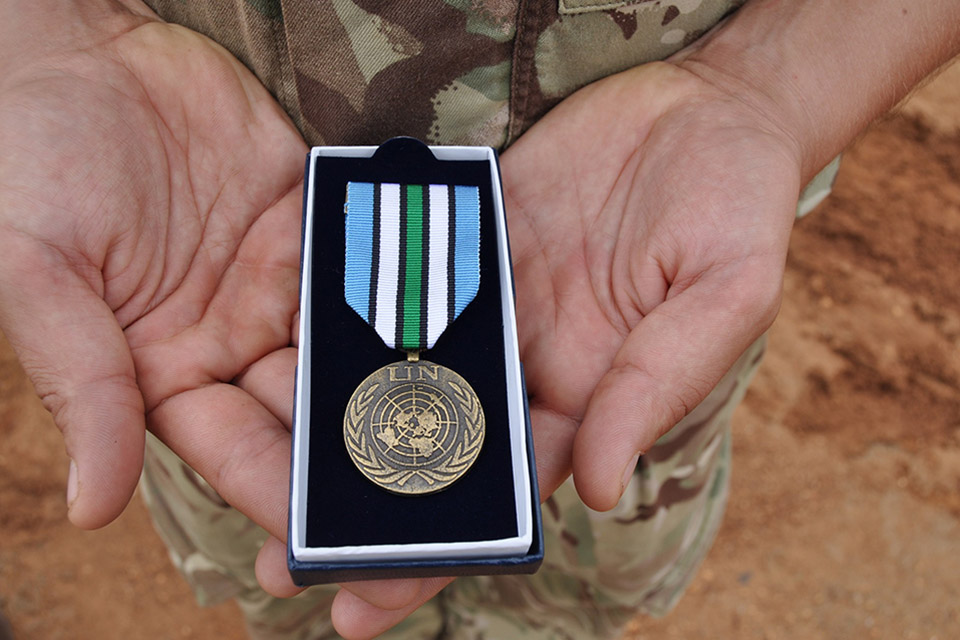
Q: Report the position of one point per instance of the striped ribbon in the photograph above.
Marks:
(412, 258)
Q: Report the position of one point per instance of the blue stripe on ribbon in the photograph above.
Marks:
(359, 246)
(467, 256)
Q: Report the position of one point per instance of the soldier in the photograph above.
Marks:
(149, 220)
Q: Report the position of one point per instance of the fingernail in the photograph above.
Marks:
(628, 472)
(73, 488)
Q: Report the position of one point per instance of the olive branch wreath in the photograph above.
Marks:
(364, 456)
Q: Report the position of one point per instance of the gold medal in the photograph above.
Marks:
(414, 427)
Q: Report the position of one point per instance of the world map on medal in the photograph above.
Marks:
(414, 422)
(414, 428)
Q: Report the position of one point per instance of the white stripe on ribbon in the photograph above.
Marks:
(386, 321)
(437, 283)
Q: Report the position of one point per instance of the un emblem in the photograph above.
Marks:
(414, 427)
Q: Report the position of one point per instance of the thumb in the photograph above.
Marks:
(668, 364)
(75, 353)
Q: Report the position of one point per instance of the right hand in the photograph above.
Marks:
(149, 250)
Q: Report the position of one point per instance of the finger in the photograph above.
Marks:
(236, 444)
(355, 618)
(271, 570)
(73, 350)
(389, 595)
(271, 380)
(553, 437)
(667, 365)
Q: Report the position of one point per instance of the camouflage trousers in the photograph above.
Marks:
(600, 569)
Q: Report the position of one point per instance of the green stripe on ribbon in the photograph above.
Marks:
(413, 269)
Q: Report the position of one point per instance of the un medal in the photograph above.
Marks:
(414, 427)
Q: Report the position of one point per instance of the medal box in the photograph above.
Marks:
(412, 453)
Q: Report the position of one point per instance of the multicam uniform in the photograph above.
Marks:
(476, 72)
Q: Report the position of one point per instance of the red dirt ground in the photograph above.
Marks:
(844, 519)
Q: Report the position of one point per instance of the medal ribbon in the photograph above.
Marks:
(412, 258)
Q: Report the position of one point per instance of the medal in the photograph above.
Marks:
(412, 266)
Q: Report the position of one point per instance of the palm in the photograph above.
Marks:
(649, 241)
(176, 204)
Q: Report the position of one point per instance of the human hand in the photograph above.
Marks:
(149, 250)
(649, 215)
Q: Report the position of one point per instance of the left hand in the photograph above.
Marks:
(649, 217)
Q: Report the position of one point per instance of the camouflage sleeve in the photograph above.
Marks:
(447, 72)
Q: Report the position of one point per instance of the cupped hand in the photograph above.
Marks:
(649, 216)
(149, 248)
